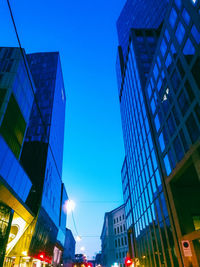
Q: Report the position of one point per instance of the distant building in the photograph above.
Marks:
(69, 249)
(158, 66)
(114, 243)
(98, 259)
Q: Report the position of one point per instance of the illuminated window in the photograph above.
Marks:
(196, 222)
(180, 32)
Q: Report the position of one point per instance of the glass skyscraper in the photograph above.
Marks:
(158, 83)
(32, 195)
(42, 155)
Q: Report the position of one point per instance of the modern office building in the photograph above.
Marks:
(16, 98)
(114, 241)
(32, 195)
(42, 156)
(160, 108)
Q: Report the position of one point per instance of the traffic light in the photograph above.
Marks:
(128, 261)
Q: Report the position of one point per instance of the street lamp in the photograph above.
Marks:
(69, 206)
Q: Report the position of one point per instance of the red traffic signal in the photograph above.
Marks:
(128, 261)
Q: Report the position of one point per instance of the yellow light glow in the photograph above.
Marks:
(18, 227)
(24, 253)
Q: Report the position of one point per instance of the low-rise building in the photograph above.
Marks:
(114, 240)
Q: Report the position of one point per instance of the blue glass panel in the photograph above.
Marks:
(186, 16)
(155, 71)
(173, 50)
(167, 165)
(154, 160)
(195, 34)
(167, 35)
(172, 17)
(178, 149)
(168, 61)
(149, 91)
(153, 106)
(188, 48)
(180, 32)
(158, 60)
(150, 141)
(178, 3)
(157, 123)
(161, 142)
(158, 179)
(159, 84)
(163, 47)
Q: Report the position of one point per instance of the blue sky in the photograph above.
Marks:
(84, 32)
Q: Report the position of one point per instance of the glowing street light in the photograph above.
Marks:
(78, 238)
(82, 249)
(69, 206)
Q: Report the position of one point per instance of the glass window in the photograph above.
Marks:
(172, 17)
(178, 149)
(155, 72)
(153, 106)
(167, 165)
(176, 115)
(157, 123)
(180, 68)
(183, 102)
(171, 125)
(192, 128)
(149, 91)
(161, 142)
(173, 50)
(189, 91)
(183, 139)
(186, 16)
(171, 158)
(180, 32)
(159, 84)
(154, 160)
(13, 126)
(175, 79)
(163, 47)
(168, 61)
(158, 60)
(195, 34)
(188, 49)
(178, 3)
(158, 179)
(167, 35)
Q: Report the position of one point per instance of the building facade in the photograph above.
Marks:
(32, 195)
(114, 241)
(42, 157)
(16, 98)
(159, 101)
(69, 252)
